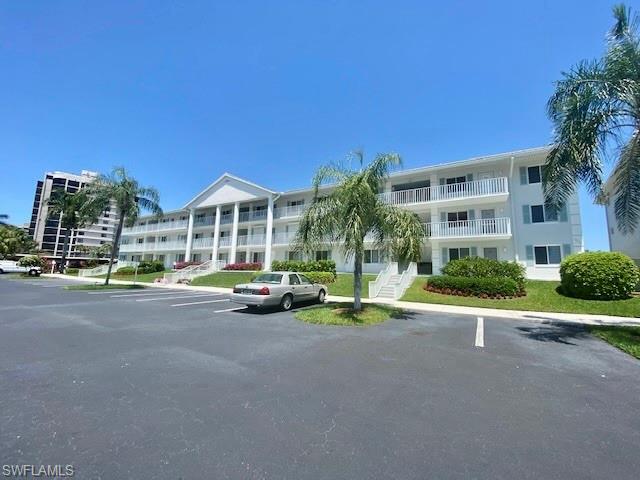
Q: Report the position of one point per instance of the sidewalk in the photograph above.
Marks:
(542, 317)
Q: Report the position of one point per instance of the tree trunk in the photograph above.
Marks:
(115, 248)
(357, 281)
(65, 246)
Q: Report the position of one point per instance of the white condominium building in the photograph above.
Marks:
(618, 241)
(489, 206)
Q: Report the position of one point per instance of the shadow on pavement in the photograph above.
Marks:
(558, 333)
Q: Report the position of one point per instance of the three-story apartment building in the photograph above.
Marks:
(489, 206)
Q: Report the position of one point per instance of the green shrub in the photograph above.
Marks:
(127, 271)
(71, 271)
(320, 277)
(92, 263)
(301, 266)
(598, 275)
(149, 266)
(485, 287)
(32, 261)
(484, 267)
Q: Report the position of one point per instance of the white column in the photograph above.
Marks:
(216, 236)
(268, 236)
(234, 232)
(187, 252)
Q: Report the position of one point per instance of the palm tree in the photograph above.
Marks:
(74, 212)
(353, 210)
(3, 217)
(129, 199)
(596, 107)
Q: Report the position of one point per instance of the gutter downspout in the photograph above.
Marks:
(514, 229)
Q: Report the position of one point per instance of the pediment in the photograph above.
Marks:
(229, 189)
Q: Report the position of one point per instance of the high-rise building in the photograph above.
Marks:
(48, 233)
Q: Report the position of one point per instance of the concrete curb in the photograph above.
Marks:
(542, 317)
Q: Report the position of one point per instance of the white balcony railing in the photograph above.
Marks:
(252, 216)
(226, 218)
(438, 193)
(153, 246)
(283, 238)
(204, 221)
(224, 242)
(291, 211)
(155, 227)
(206, 242)
(251, 240)
(490, 227)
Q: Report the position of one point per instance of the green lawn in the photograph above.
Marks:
(101, 286)
(626, 339)
(223, 279)
(541, 296)
(142, 277)
(343, 286)
(341, 314)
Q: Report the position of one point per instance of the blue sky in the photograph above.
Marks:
(180, 92)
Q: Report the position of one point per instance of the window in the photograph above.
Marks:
(257, 257)
(490, 252)
(292, 255)
(458, 253)
(304, 280)
(139, 240)
(293, 279)
(452, 180)
(160, 258)
(323, 254)
(372, 256)
(104, 228)
(537, 214)
(534, 174)
(457, 216)
(541, 213)
(180, 257)
(295, 203)
(547, 255)
(163, 238)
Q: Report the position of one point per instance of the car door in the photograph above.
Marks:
(296, 287)
(308, 288)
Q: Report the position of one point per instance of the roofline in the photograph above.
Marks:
(234, 177)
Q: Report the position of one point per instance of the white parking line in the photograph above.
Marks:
(172, 292)
(198, 303)
(480, 332)
(50, 285)
(229, 309)
(179, 296)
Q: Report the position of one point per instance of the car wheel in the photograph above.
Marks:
(1, 271)
(33, 273)
(321, 296)
(287, 302)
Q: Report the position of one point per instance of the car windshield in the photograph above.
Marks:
(268, 278)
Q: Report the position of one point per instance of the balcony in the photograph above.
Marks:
(153, 246)
(155, 227)
(283, 238)
(224, 242)
(198, 243)
(252, 216)
(251, 240)
(226, 218)
(204, 221)
(490, 189)
(288, 212)
(496, 228)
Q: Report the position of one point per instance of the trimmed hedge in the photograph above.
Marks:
(300, 266)
(147, 266)
(71, 271)
(598, 275)
(243, 266)
(320, 277)
(488, 287)
(127, 271)
(475, 267)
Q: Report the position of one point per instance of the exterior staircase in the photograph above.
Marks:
(189, 273)
(102, 269)
(390, 284)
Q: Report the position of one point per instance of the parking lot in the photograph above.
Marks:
(178, 384)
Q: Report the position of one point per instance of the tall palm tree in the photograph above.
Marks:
(353, 210)
(596, 108)
(129, 199)
(74, 212)
(3, 217)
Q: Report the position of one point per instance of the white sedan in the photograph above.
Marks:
(7, 266)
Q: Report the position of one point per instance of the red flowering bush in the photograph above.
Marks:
(243, 266)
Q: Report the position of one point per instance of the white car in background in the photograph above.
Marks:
(7, 266)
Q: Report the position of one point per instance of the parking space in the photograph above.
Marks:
(169, 383)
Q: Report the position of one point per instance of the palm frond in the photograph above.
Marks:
(627, 186)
